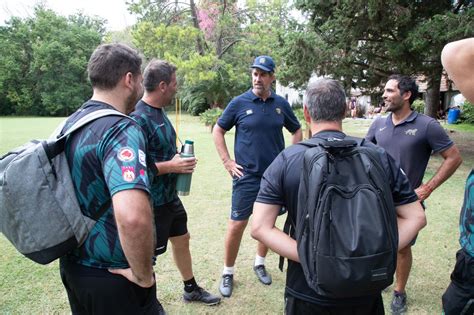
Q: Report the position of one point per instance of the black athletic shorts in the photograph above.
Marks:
(459, 296)
(294, 306)
(97, 291)
(170, 221)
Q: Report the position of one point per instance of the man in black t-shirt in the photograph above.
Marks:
(324, 110)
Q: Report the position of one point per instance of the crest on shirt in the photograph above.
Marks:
(128, 173)
(278, 110)
(411, 132)
(126, 154)
(142, 157)
(249, 112)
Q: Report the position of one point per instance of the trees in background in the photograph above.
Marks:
(43, 61)
(211, 42)
(363, 42)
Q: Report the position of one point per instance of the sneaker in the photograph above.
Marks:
(399, 303)
(262, 274)
(226, 286)
(201, 295)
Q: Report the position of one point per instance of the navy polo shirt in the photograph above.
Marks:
(279, 186)
(411, 142)
(258, 137)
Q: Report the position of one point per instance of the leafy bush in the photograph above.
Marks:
(210, 116)
(299, 114)
(194, 102)
(418, 106)
(467, 114)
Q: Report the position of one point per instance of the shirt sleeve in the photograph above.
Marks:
(271, 186)
(228, 118)
(402, 192)
(291, 123)
(371, 133)
(122, 151)
(438, 139)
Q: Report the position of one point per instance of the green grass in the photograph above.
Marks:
(28, 288)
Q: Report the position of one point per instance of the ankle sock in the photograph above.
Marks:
(228, 270)
(190, 285)
(259, 260)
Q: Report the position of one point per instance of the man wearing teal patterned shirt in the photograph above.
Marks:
(112, 272)
(170, 215)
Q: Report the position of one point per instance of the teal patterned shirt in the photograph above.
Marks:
(105, 157)
(161, 144)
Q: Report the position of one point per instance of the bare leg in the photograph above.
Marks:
(235, 230)
(404, 262)
(182, 255)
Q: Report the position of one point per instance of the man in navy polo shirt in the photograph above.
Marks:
(410, 138)
(324, 110)
(258, 116)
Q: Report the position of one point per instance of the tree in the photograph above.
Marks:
(45, 59)
(212, 43)
(362, 42)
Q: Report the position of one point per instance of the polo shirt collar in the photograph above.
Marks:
(325, 134)
(254, 97)
(409, 119)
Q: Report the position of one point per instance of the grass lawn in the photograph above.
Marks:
(29, 288)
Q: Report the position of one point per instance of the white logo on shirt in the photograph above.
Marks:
(382, 129)
(411, 132)
(249, 112)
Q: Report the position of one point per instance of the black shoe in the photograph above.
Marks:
(399, 303)
(262, 274)
(201, 295)
(226, 286)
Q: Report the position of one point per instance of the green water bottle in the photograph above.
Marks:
(183, 183)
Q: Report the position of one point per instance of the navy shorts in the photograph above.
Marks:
(170, 221)
(244, 194)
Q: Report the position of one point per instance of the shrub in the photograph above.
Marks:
(418, 106)
(210, 116)
(467, 114)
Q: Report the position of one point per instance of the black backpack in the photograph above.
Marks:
(346, 228)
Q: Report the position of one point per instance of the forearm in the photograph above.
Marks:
(263, 229)
(165, 167)
(448, 167)
(278, 241)
(134, 220)
(219, 141)
(297, 136)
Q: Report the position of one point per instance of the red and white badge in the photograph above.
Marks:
(126, 154)
(128, 173)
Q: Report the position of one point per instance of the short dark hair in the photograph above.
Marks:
(406, 84)
(110, 62)
(325, 100)
(157, 71)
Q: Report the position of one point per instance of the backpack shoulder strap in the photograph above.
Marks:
(89, 118)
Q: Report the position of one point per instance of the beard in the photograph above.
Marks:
(132, 100)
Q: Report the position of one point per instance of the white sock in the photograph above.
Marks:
(228, 270)
(259, 260)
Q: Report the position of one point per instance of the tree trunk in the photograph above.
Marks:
(199, 44)
(432, 95)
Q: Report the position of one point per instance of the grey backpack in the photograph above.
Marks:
(39, 211)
